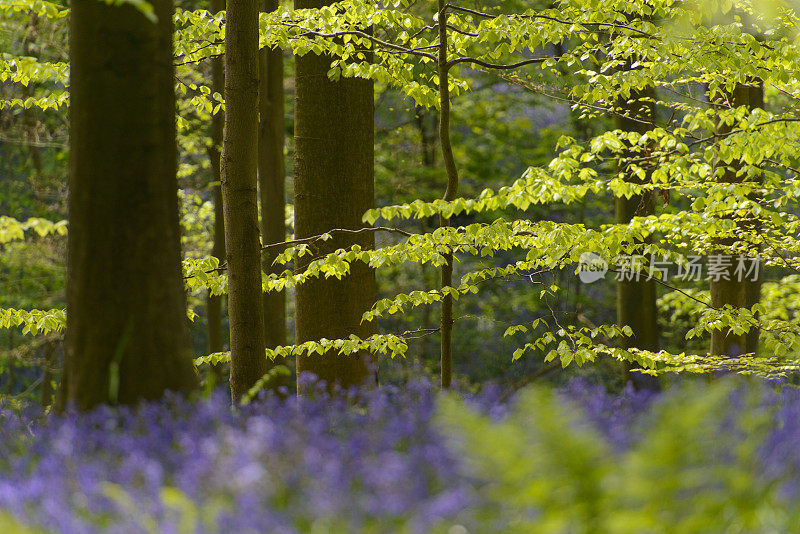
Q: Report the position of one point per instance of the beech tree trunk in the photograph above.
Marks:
(427, 123)
(240, 196)
(753, 286)
(636, 299)
(271, 179)
(736, 291)
(127, 333)
(50, 362)
(214, 302)
(334, 186)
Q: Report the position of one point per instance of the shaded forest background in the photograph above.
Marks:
(506, 123)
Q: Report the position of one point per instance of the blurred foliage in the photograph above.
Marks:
(693, 468)
(7, 524)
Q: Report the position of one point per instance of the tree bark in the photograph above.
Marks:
(753, 286)
(271, 180)
(427, 124)
(214, 302)
(127, 333)
(240, 197)
(636, 298)
(739, 293)
(334, 186)
(49, 353)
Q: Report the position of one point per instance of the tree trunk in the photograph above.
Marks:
(127, 334)
(334, 186)
(753, 286)
(636, 299)
(11, 362)
(31, 34)
(450, 194)
(49, 352)
(240, 198)
(739, 293)
(214, 302)
(427, 124)
(271, 179)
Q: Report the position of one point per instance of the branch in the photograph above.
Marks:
(527, 84)
(462, 32)
(361, 34)
(314, 239)
(659, 281)
(496, 66)
(554, 19)
(193, 52)
(319, 237)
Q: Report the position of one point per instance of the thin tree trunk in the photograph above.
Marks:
(240, 197)
(334, 186)
(49, 350)
(636, 298)
(427, 136)
(450, 194)
(271, 180)
(127, 334)
(29, 119)
(11, 363)
(214, 302)
(428, 149)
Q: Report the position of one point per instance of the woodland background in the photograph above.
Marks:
(506, 125)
